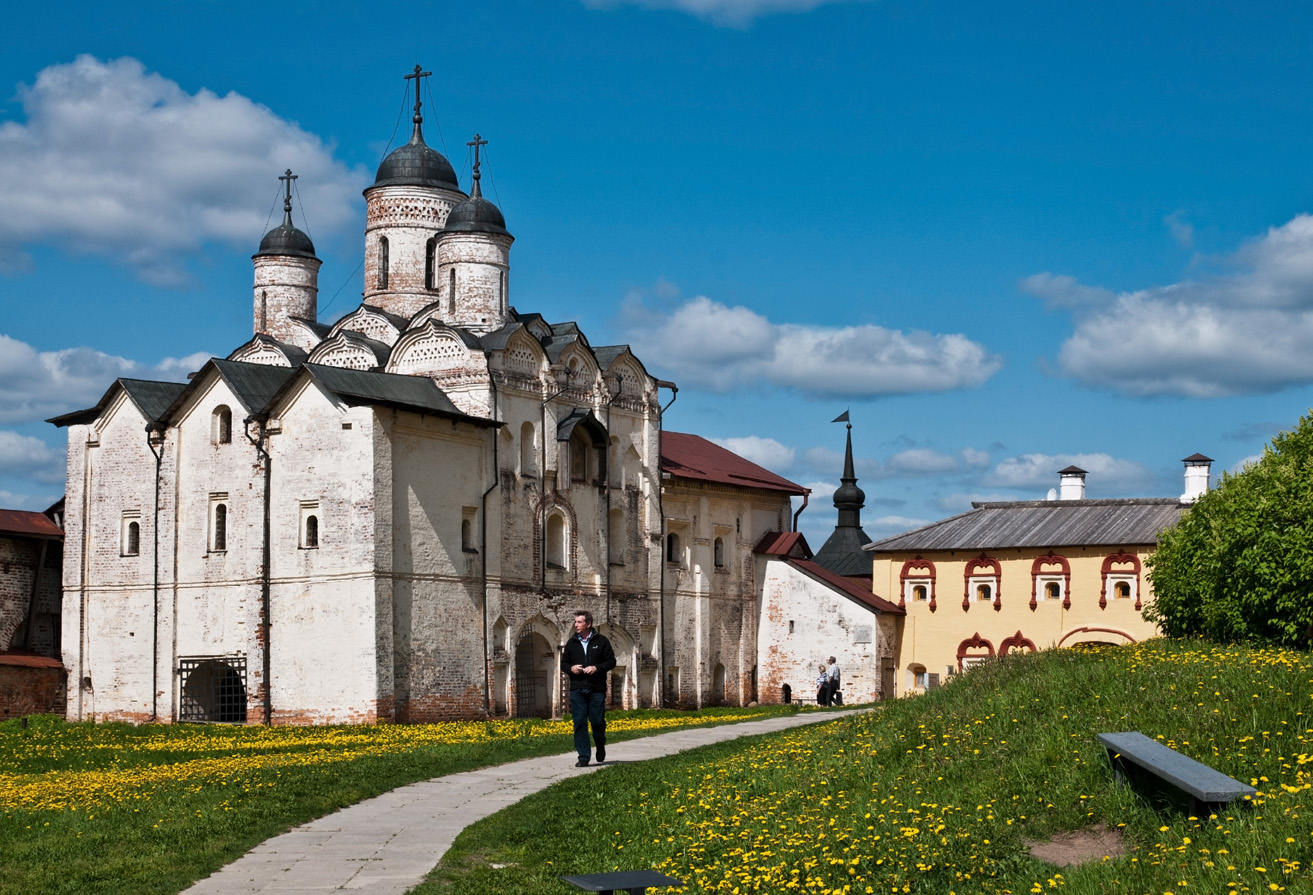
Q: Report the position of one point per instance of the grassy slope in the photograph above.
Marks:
(151, 809)
(938, 794)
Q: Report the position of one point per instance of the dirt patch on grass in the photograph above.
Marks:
(1079, 846)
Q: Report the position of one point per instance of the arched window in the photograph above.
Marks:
(917, 582)
(919, 593)
(430, 263)
(672, 548)
(219, 528)
(528, 457)
(451, 290)
(718, 552)
(579, 448)
(504, 303)
(132, 545)
(556, 540)
(466, 536)
(383, 262)
(311, 532)
(1121, 590)
(1052, 591)
(222, 425)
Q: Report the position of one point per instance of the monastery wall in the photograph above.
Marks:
(19, 560)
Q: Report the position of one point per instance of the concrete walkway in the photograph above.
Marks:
(388, 844)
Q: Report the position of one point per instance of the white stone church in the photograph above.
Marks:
(395, 517)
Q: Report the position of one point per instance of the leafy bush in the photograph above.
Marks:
(1239, 565)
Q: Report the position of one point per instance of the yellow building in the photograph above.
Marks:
(1024, 575)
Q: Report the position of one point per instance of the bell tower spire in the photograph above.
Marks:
(842, 552)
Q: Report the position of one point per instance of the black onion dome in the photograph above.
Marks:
(286, 240)
(476, 215)
(416, 164)
(849, 495)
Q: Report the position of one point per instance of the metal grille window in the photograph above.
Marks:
(213, 689)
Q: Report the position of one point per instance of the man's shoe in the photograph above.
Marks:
(601, 754)
(581, 763)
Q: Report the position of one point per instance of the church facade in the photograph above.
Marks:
(396, 516)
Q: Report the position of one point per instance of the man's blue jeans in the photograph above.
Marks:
(588, 707)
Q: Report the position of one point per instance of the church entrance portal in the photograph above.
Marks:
(535, 667)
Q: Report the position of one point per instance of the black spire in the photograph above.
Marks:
(842, 552)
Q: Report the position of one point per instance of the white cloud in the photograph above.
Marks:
(39, 384)
(1107, 474)
(1244, 463)
(1182, 230)
(765, 452)
(821, 491)
(722, 348)
(1247, 329)
(960, 502)
(23, 456)
(892, 525)
(921, 461)
(13, 501)
(734, 13)
(974, 459)
(121, 162)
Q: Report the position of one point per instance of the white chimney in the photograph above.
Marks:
(1071, 483)
(1197, 467)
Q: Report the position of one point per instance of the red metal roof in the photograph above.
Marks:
(850, 586)
(693, 457)
(781, 543)
(22, 522)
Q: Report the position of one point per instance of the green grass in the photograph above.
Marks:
(939, 794)
(113, 808)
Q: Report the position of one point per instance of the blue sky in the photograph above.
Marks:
(1008, 237)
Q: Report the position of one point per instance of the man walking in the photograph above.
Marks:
(833, 696)
(588, 659)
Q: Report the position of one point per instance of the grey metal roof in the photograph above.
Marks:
(286, 240)
(254, 384)
(1043, 523)
(380, 350)
(320, 329)
(294, 354)
(417, 164)
(842, 552)
(151, 397)
(497, 339)
(476, 215)
(414, 393)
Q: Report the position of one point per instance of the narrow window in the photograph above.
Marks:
(528, 464)
(919, 593)
(310, 525)
(451, 290)
(131, 539)
(223, 425)
(430, 263)
(504, 303)
(718, 553)
(469, 515)
(382, 262)
(219, 527)
(672, 548)
(616, 537)
(578, 457)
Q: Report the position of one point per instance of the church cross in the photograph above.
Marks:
(476, 143)
(416, 75)
(287, 196)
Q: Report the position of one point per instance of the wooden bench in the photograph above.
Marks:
(1134, 755)
(635, 882)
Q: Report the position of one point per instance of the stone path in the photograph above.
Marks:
(388, 844)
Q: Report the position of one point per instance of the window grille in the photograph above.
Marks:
(213, 689)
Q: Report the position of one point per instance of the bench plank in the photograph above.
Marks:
(1205, 784)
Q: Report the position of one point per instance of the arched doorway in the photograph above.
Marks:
(213, 690)
(535, 670)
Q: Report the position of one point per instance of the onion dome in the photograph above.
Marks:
(476, 214)
(416, 163)
(286, 239)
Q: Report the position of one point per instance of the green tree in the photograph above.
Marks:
(1239, 565)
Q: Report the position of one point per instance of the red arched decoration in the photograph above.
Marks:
(1015, 642)
(1037, 569)
(974, 642)
(982, 562)
(1122, 559)
(908, 566)
(1089, 630)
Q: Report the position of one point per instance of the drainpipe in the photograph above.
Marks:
(542, 479)
(806, 493)
(483, 542)
(155, 436)
(661, 552)
(266, 664)
(611, 399)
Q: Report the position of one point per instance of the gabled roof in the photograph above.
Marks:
(294, 354)
(29, 524)
(849, 586)
(152, 398)
(783, 543)
(413, 393)
(253, 384)
(1043, 523)
(693, 457)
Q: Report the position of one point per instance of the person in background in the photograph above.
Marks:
(588, 659)
(823, 687)
(833, 696)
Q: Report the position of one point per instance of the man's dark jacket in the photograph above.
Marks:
(599, 654)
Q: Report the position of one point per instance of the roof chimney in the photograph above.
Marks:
(1071, 483)
(1197, 467)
